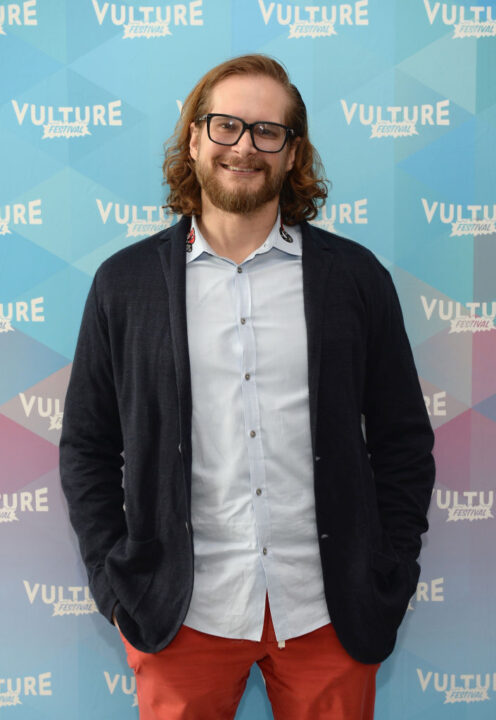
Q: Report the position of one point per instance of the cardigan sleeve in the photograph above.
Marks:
(398, 431)
(91, 448)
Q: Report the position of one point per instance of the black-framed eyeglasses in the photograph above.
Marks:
(267, 137)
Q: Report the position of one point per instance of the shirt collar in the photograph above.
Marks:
(288, 241)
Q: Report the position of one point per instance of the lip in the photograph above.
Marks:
(239, 169)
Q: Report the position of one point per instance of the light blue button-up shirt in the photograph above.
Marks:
(253, 504)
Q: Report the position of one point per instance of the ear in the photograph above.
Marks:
(292, 154)
(194, 140)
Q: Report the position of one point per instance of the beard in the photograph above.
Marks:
(241, 200)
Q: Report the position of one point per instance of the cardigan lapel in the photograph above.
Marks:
(173, 258)
(317, 260)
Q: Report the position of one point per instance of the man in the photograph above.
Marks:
(231, 358)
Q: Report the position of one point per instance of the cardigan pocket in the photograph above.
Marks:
(383, 562)
(389, 577)
(130, 566)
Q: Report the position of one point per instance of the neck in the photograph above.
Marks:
(236, 236)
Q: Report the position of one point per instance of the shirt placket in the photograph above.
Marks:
(251, 414)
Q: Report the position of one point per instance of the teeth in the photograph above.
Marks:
(239, 169)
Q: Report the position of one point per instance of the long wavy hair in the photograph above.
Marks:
(304, 189)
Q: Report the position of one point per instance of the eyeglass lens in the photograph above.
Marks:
(227, 130)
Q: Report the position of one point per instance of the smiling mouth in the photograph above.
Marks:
(240, 170)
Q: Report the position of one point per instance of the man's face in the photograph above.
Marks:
(240, 178)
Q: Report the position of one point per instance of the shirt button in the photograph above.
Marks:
(258, 491)
(252, 433)
(240, 269)
(243, 320)
(264, 551)
(247, 376)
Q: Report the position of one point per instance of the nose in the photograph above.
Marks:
(245, 145)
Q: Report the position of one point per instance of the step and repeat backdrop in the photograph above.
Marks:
(401, 98)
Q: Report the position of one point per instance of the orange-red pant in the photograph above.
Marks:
(202, 677)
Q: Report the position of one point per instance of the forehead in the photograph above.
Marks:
(251, 97)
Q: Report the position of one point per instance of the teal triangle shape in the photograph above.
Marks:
(449, 67)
